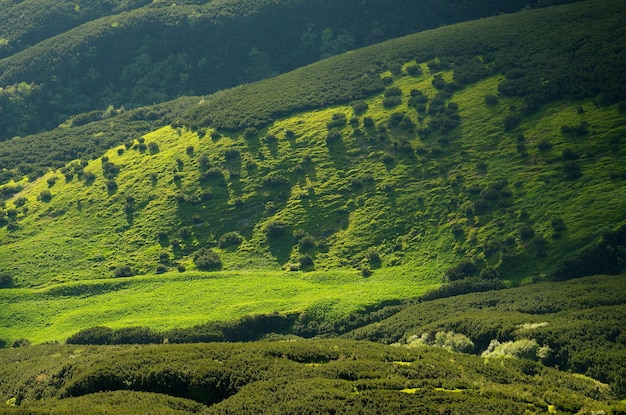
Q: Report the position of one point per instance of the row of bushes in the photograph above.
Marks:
(248, 328)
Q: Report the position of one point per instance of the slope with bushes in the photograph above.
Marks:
(68, 58)
(437, 172)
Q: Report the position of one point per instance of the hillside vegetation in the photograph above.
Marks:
(295, 377)
(442, 169)
(431, 224)
(64, 58)
(576, 325)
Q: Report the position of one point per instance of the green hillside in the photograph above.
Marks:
(431, 224)
(442, 169)
(59, 59)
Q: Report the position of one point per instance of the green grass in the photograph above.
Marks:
(343, 194)
(182, 300)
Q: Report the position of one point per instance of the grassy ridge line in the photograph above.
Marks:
(346, 77)
(32, 21)
(184, 300)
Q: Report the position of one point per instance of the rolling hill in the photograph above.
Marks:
(343, 198)
(420, 177)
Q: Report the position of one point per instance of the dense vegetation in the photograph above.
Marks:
(294, 377)
(422, 179)
(358, 221)
(582, 321)
(67, 58)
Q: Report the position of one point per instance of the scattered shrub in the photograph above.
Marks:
(414, 70)
(572, 170)
(45, 196)
(52, 181)
(161, 268)
(153, 147)
(359, 107)
(123, 270)
(250, 132)
(275, 179)
(164, 257)
(526, 232)
(21, 342)
(231, 153)
(510, 122)
(230, 239)
(207, 260)
(489, 273)
(111, 185)
(306, 261)
(333, 136)
(558, 225)
(6, 281)
(392, 101)
(462, 270)
(491, 99)
(275, 228)
(339, 120)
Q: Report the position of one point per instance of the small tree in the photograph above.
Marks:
(230, 239)
(207, 260)
(123, 270)
(6, 281)
(45, 196)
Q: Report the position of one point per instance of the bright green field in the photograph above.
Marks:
(182, 300)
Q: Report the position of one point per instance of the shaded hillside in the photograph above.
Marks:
(303, 377)
(582, 321)
(539, 35)
(87, 57)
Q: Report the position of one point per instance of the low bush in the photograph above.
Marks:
(123, 270)
(6, 281)
(207, 260)
(230, 239)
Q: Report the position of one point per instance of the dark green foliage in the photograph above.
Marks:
(526, 232)
(414, 70)
(153, 147)
(580, 320)
(6, 280)
(306, 261)
(206, 259)
(491, 99)
(123, 270)
(339, 120)
(462, 270)
(230, 239)
(104, 335)
(392, 101)
(359, 107)
(21, 342)
(275, 228)
(45, 196)
(578, 130)
(604, 256)
(511, 121)
(276, 179)
(572, 169)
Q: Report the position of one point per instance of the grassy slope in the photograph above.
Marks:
(343, 194)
